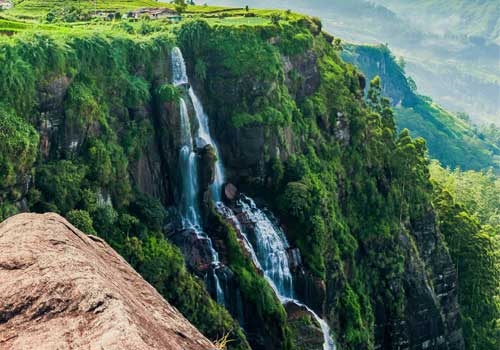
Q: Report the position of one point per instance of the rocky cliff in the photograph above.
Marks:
(98, 136)
(62, 289)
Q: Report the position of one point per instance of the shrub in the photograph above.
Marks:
(81, 220)
(168, 93)
(60, 182)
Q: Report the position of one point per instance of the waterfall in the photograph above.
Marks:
(228, 214)
(204, 138)
(270, 247)
(188, 202)
(179, 75)
(189, 174)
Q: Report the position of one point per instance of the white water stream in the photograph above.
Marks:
(268, 248)
(189, 207)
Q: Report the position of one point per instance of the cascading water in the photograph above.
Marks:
(204, 138)
(270, 247)
(179, 73)
(188, 203)
(229, 215)
(189, 174)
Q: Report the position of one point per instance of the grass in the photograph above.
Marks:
(239, 20)
(30, 15)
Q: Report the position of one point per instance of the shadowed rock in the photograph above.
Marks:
(62, 289)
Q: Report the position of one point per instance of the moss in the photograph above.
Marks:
(168, 93)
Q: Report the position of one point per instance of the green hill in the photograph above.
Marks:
(450, 139)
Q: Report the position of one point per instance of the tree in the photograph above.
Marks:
(412, 84)
(475, 253)
(180, 5)
(402, 63)
(337, 44)
(82, 220)
(375, 92)
(275, 18)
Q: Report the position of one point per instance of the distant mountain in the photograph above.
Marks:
(451, 140)
(470, 18)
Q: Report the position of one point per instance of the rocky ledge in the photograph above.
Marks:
(63, 289)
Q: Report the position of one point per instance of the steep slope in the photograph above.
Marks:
(294, 131)
(63, 289)
(95, 125)
(451, 140)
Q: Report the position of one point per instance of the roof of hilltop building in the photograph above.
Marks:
(153, 13)
(4, 4)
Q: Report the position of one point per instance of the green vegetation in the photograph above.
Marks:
(79, 110)
(256, 293)
(17, 155)
(384, 176)
(467, 204)
(84, 175)
(450, 139)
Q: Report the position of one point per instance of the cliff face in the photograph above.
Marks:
(295, 133)
(431, 317)
(64, 289)
(415, 305)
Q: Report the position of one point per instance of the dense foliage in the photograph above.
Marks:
(467, 203)
(80, 168)
(380, 177)
(74, 124)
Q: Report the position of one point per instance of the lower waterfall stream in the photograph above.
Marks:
(268, 245)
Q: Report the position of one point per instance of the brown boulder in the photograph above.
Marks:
(62, 289)
(230, 191)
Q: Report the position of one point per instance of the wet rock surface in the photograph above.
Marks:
(195, 248)
(307, 331)
(62, 289)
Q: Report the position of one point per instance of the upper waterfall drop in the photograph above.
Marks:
(188, 170)
(204, 138)
(189, 174)
(179, 73)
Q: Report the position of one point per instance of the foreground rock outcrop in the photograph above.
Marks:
(62, 289)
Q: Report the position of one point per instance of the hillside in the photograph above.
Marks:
(451, 140)
(231, 157)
